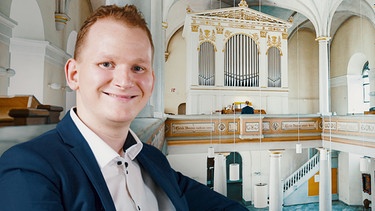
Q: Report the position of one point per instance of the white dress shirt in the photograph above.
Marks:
(131, 188)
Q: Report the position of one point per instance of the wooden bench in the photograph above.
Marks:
(26, 110)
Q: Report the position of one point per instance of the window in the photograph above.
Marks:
(366, 84)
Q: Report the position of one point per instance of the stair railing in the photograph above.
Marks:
(300, 173)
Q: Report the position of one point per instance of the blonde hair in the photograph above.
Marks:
(128, 14)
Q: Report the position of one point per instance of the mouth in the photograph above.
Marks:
(120, 96)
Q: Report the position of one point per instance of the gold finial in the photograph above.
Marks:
(243, 4)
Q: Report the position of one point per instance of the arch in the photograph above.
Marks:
(206, 63)
(252, 37)
(182, 109)
(174, 18)
(29, 20)
(234, 188)
(274, 66)
(355, 64)
(355, 89)
(241, 61)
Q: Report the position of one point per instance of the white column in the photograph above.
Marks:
(324, 97)
(275, 184)
(5, 74)
(155, 8)
(220, 176)
(325, 196)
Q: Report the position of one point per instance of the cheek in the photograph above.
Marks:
(94, 78)
(147, 84)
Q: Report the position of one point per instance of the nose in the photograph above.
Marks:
(122, 78)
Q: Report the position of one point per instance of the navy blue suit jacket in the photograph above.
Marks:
(247, 110)
(58, 171)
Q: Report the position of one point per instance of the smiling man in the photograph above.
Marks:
(92, 160)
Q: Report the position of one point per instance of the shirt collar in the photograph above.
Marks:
(102, 151)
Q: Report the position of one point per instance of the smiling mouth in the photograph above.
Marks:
(120, 96)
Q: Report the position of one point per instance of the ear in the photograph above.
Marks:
(71, 74)
(153, 80)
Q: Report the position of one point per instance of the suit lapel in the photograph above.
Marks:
(161, 178)
(83, 154)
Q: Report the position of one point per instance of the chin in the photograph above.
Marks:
(123, 116)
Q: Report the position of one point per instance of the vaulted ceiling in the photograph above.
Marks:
(346, 9)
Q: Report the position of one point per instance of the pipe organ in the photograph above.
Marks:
(235, 54)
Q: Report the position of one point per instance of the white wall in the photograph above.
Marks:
(349, 179)
(192, 165)
(175, 74)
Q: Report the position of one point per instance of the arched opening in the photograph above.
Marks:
(234, 187)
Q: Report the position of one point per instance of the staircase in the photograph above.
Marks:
(301, 175)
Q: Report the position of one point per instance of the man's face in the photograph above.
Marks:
(113, 73)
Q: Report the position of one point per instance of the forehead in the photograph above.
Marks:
(109, 32)
(112, 27)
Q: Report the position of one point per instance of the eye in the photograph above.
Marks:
(106, 65)
(138, 69)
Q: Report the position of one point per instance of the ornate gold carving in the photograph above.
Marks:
(227, 34)
(214, 44)
(263, 34)
(164, 25)
(245, 14)
(219, 29)
(284, 35)
(274, 41)
(207, 35)
(243, 23)
(254, 37)
(243, 3)
(194, 26)
(188, 9)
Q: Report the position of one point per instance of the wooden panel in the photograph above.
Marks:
(313, 187)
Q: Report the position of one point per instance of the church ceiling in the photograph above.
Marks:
(290, 12)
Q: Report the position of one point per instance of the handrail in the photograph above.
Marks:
(300, 173)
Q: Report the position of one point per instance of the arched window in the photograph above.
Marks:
(274, 67)
(366, 84)
(241, 62)
(206, 76)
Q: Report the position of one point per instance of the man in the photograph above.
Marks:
(248, 109)
(92, 160)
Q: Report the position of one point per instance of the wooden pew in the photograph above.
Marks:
(26, 110)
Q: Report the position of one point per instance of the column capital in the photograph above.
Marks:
(324, 152)
(276, 151)
(164, 25)
(323, 38)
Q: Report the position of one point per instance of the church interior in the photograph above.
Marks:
(307, 68)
